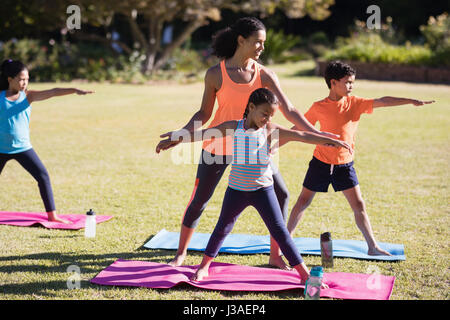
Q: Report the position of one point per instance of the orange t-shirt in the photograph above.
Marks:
(339, 117)
(232, 99)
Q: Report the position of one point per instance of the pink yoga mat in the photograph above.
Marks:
(231, 277)
(26, 219)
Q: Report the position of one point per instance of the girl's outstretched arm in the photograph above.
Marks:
(183, 135)
(34, 95)
(285, 135)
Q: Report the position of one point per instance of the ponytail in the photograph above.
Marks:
(224, 42)
(246, 111)
(260, 96)
(9, 69)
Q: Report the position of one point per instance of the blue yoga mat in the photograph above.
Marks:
(248, 244)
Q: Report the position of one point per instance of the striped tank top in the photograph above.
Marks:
(250, 169)
(232, 98)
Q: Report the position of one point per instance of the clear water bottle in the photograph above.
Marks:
(89, 228)
(326, 250)
(313, 284)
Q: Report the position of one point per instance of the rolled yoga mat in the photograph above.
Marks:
(232, 277)
(27, 219)
(249, 244)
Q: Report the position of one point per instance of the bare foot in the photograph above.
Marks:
(377, 251)
(178, 260)
(200, 274)
(303, 272)
(56, 219)
(279, 263)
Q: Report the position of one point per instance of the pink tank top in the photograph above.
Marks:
(232, 99)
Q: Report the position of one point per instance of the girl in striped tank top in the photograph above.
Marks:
(250, 181)
(230, 83)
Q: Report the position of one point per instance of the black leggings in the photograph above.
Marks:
(265, 202)
(30, 161)
(209, 172)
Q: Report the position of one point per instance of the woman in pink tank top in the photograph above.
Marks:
(231, 82)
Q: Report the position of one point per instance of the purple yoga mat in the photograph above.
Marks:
(231, 277)
(26, 219)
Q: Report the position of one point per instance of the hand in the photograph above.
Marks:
(421, 103)
(83, 92)
(339, 144)
(166, 143)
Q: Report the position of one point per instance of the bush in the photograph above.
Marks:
(437, 36)
(188, 61)
(367, 46)
(317, 44)
(65, 61)
(278, 46)
(437, 31)
(31, 52)
(373, 49)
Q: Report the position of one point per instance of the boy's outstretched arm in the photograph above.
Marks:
(34, 95)
(394, 101)
(183, 135)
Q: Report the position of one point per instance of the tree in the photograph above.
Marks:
(147, 18)
(24, 18)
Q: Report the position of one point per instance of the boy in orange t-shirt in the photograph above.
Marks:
(339, 113)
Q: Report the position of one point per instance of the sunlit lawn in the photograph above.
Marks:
(99, 150)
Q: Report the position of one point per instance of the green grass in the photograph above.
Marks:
(99, 150)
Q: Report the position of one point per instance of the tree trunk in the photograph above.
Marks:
(154, 58)
(136, 32)
(178, 41)
(155, 29)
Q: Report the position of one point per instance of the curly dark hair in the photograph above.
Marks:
(337, 70)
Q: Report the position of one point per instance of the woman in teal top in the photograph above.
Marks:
(15, 110)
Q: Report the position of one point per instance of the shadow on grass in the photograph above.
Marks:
(90, 265)
(141, 248)
(61, 236)
(36, 289)
(81, 260)
(233, 295)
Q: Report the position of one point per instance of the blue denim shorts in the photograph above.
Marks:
(321, 174)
